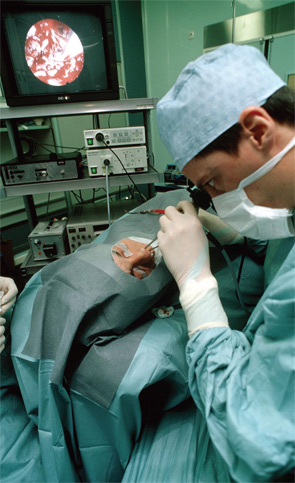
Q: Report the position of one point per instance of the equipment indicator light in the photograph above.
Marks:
(94, 170)
(90, 141)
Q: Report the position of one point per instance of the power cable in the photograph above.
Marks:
(132, 181)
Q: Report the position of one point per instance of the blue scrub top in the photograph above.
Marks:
(243, 382)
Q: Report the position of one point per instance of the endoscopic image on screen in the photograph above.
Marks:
(54, 52)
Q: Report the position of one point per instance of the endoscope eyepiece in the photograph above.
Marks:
(200, 198)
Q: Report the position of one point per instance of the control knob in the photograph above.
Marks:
(99, 136)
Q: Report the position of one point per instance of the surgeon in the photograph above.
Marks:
(228, 123)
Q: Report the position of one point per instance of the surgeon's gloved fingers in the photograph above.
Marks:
(6, 305)
(182, 241)
(10, 290)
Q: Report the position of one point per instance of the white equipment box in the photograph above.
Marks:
(99, 138)
(89, 221)
(131, 160)
(48, 240)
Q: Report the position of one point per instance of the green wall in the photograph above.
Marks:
(167, 25)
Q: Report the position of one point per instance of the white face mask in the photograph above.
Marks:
(254, 221)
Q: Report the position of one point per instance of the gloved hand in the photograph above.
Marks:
(8, 287)
(184, 246)
(183, 243)
(10, 290)
(219, 229)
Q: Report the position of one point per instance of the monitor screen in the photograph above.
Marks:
(57, 51)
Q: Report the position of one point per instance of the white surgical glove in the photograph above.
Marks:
(9, 292)
(219, 229)
(184, 246)
(183, 243)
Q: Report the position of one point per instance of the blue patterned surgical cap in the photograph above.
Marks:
(209, 96)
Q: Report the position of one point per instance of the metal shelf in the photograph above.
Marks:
(151, 177)
(77, 108)
(12, 114)
(27, 128)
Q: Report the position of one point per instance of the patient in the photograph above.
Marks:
(89, 354)
(79, 310)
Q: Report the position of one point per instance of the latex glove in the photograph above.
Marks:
(219, 229)
(2, 336)
(183, 243)
(184, 246)
(10, 290)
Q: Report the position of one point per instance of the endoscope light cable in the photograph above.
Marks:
(242, 259)
(230, 266)
(201, 199)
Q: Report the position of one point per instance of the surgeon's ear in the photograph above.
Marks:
(258, 126)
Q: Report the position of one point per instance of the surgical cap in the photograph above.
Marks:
(209, 96)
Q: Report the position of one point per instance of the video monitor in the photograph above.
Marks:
(57, 51)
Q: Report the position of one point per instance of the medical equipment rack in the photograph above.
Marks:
(13, 114)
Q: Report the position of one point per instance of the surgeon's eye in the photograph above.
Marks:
(211, 183)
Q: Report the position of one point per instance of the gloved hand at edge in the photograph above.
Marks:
(8, 297)
(10, 290)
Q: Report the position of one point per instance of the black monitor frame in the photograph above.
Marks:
(101, 8)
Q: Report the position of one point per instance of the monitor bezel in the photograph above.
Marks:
(9, 86)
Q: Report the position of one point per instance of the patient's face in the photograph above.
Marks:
(133, 258)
